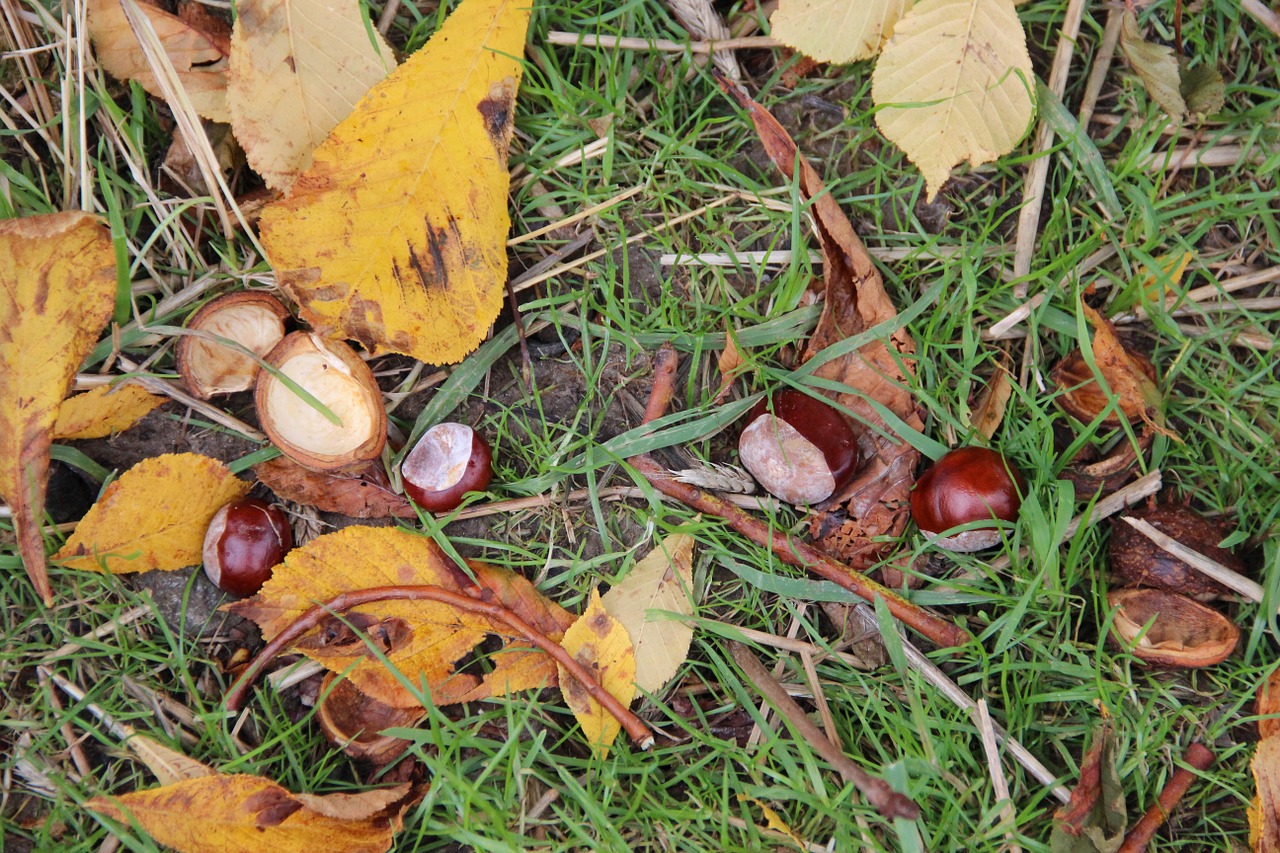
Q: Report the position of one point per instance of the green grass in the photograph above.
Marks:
(515, 774)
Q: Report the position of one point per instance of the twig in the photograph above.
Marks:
(1264, 15)
(791, 551)
(469, 602)
(1101, 64)
(1199, 757)
(887, 801)
(664, 45)
(1193, 558)
(998, 783)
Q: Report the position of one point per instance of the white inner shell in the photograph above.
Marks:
(221, 369)
(440, 457)
(787, 464)
(329, 380)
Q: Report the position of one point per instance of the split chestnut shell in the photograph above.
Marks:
(252, 319)
(1184, 633)
(1137, 561)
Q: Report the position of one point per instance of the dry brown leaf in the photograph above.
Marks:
(297, 69)
(989, 411)
(234, 814)
(1264, 812)
(153, 517)
(199, 56)
(600, 643)
(104, 411)
(663, 580)
(57, 289)
(166, 764)
(360, 494)
(396, 234)
(1124, 375)
(424, 640)
(836, 31)
(1155, 64)
(361, 806)
(731, 365)
(875, 502)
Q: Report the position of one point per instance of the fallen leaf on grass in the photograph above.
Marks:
(1155, 64)
(104, 411)
(836, 31)
(154, 517)
(1264, 811)
(663, 580)
(57, 291)
(423, 640)
(396, 234)
(989, 411)
(167, 764)
(1094, 820)
(600, 643)
(297, 69)
(1136, 391)
(199, 56)
(362, 494)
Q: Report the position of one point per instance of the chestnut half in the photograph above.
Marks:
(447, 462)
(966, 485)
(800, 449)
(245, 541)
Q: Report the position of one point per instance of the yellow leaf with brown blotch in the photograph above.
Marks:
(153, 517)
(234, 814)
(600, 644)
(57, 290)
(423, 640)
(104, 411)
(396, 234)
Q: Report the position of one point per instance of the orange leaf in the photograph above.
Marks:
(1125, 376)
(104, 411)
(601, 644)
(57, 285)
(153, 517)
(360, 494)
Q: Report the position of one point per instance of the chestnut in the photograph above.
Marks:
(800, 448)
(966, 485)
(245, 541)
(448, 461)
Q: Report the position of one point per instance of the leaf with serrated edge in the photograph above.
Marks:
(836, 31)
(1156, 65)
(601, 645)
(154, 517)
(104, 411)
(396, 235)
(663, 580)
(297, 69)
(955, 83)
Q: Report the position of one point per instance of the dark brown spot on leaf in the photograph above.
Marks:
(496, 110)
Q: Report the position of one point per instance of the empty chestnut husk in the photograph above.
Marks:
(354, 721)
(1137, 561)
(252, 319)
(1183, 633)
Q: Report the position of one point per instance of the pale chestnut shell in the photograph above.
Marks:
(252, 319)
(1184, 633)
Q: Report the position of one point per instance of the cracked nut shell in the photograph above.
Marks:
(1184, 633)
(252, 319)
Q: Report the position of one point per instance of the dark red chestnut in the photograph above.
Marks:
(966, 485)
(447, 462)
(798, 447)
(245, 541)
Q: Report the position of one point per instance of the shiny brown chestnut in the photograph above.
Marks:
(245, 541)
(799, 448)
(967, 485)
(1137, 561)
(448, 461)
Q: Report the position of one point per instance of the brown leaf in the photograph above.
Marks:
(57, 288)
(168, 765)
(104, 411)
(1094, 820)
(875, 502)
(1264, 813)
(731, 365)
(989, 411)
(1135, 389)
(1267, 704)
(365, 493)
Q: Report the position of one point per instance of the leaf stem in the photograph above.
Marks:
(1199, 757)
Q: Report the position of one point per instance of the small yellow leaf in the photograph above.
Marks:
(1156, 284)
(297, 69)
(104, 411)
(57, 287)
(663, 580)
(601, 645)
(199, 57)
(775, 821)
(153, 517)
(396, 235)
(837, 31)
(955, 83)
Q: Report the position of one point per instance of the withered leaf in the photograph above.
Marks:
(1134, 389)
(167, 764)
(104, 411)
(1155, 64)
(600, 644)
(1264, 812)
(1094, 821)
(364, 493)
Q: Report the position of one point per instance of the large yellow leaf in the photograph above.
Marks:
(955, 83)
(836, 31)
(104, 411)
(424, 640)
(396, 235)
(198, 54)
(153, 517)
(297, 69)
(663, 580)
(600, 643)
(57, 286)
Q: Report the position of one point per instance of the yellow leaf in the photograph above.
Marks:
(837, 31)
(199, 56)
(57, 286)
(600, 643)
(955, 83)
(423, 640)
(1264, 813)
(104, 411)
(775, 821)
(396, 235)
(153, 517)
(1156, 284)
(663, 580)
(234, 814)
(297, 69)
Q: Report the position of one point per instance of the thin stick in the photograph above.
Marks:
(986, 726)
(887, 801)
(470, 603)
(1193, 558)
(663, 45)
(1262, 14)
(577, 217)
(1199, 757)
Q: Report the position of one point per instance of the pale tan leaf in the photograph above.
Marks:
(104, 411)
(600, 643)
(1156, 65)
(989, 411)
(663, 580)
(297, 69)
(955, 83)
(837, 31)
(1264, 813)
(359, 806)
(166, 764)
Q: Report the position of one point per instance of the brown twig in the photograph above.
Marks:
(470, 603)
(1199, 757)
(791, 551)
(887, 801)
